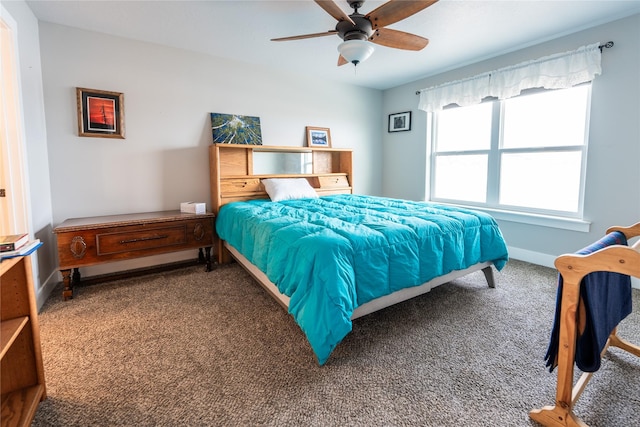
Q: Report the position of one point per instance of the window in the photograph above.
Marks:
(524, 154)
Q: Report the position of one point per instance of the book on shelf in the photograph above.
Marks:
(13, 242)
(23, 250)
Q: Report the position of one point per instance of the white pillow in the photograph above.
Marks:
(289, 188)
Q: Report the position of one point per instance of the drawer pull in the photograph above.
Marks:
(198, 231)
(78, 247)
(144, 239)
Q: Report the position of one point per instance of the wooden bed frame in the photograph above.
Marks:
(329, 171)
(573, 267)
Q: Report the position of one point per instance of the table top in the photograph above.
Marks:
(74, 224)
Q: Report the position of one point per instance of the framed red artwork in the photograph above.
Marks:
(100, 113)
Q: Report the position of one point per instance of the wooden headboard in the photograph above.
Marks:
(232, 166)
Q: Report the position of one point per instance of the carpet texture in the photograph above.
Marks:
(190, 348)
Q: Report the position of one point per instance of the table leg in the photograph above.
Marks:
(208, 256)
(67, 292)
(69, 280)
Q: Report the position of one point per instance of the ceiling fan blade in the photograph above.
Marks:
(396, 10)
(334, 10)
(398, 39)
(341, 61)
(305, 36)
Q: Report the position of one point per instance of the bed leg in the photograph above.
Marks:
(224, 256)
(488, 274)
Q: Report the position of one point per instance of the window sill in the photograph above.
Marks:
(572, 224)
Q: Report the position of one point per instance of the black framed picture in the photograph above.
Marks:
(400, 122)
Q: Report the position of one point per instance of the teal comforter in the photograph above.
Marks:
(335, 253)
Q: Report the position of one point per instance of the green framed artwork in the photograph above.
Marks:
(235, 129)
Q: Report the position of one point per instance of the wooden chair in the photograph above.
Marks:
(615, 258)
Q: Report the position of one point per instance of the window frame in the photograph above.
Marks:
(558, 218)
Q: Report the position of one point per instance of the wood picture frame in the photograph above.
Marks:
(400, 122)
(318, 137)
(100, 113)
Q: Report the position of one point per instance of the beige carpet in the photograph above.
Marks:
(190, 348)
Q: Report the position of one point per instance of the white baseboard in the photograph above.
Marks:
(46, 289)
(537, 258)
(547, 260)
(137, 263)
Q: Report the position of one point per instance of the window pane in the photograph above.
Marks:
(464, 128)
(548, 119)
(541, 180)
(461, 178)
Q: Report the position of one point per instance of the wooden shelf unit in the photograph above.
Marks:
(22, 372)
(233, 177)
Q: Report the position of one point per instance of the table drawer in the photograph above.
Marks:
(235, 185)
(138, 240)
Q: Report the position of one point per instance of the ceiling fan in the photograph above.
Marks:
(357, 30)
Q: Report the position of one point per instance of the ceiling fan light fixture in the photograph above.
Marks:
(355, 51)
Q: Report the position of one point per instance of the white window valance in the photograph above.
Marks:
(559, 71)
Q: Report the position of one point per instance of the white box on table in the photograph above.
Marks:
(193, 207)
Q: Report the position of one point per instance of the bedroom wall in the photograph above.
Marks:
(35, 138)
(612, 193)
(168, 95)
(169, 92)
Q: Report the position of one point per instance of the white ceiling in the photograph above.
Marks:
(460, 32)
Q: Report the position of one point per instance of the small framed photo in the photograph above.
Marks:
(100, 113)
(318, 137)
(400, 122)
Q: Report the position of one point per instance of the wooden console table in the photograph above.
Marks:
(96, 240)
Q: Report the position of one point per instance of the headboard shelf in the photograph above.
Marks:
(236, 170)
(273, 148)
(284, 175)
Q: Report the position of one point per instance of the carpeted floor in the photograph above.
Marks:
(190, 348)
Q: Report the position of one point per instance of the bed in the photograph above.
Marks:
(328, 255)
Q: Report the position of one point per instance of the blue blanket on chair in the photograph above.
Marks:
(605, 299)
